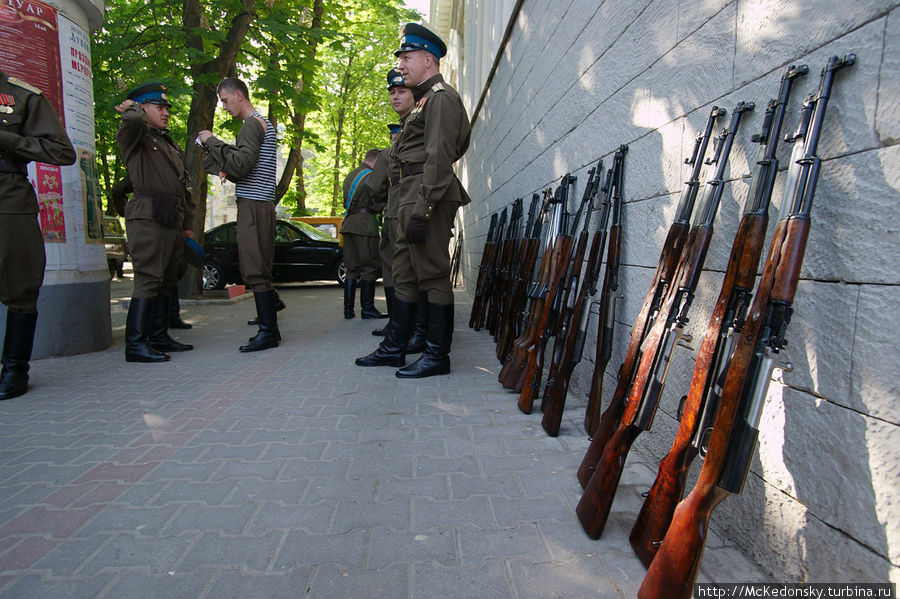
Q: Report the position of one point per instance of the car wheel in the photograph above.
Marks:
(341, 273)
(213, 277)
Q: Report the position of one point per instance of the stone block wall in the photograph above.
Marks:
(579, 77)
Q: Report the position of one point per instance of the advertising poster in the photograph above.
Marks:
(90, 193)
(48, 185)
(29, 45)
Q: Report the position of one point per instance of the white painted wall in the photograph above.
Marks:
(580, 77)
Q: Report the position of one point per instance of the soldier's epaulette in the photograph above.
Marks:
(437, 87)
(23, 85)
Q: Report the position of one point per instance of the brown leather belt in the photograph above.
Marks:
(360, 211)
(412, 168)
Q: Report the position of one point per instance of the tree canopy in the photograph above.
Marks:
(316, 67)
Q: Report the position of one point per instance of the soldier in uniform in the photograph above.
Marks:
(381, 188)
(251, 164)
(29, 130)
(119, 193)
(158, 217)
(434, 136)
(360, 231)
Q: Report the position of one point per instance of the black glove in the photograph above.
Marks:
(416, 229)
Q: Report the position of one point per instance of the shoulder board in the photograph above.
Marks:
(23, 85)
(437, 87)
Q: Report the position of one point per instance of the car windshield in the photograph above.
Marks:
(312, 231)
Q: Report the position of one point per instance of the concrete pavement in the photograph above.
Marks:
(293, 473)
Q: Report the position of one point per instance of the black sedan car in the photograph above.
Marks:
(302, 253)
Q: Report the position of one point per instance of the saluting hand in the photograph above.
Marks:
(121, 107)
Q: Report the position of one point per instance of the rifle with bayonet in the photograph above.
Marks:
(507, 252)
(477, 313)
(490, 281)
(662, 278)
(455, 262)
(733, 440)
(698, 408)
(561, 325)
(563, 283)
(513, 369)
(659, 343)
(606, 311)
(572, 342)
(528, 249)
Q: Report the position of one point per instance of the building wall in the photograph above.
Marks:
(579, 77)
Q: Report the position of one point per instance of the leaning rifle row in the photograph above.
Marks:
(540, 283)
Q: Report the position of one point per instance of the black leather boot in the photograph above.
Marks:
(436, 357)
(16, 353)
(349, 297)
(175, 321)
(416, 343)
(279, 306)
(267, 314)
(389, 300)
(367, 301)
(137, 326)
(390, 350)
(159, 328)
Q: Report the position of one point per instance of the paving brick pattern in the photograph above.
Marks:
(294, 473)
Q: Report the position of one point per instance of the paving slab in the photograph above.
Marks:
(293, 473)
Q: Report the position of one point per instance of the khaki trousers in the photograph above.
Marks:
(361, 257)
(425, 266)
(156, 254)
(22, 261)
(256, 242)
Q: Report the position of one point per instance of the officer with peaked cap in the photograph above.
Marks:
(381, 188)
(434, 136)
(157, 219)
(29, 130)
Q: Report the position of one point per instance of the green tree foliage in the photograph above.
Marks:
(316, 66)
(353, 106)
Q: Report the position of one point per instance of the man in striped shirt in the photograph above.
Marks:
(250, 163)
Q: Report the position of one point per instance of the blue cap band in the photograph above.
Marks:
(152, 98)
(395, 128)
(414, 42)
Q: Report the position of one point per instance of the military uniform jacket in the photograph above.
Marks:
(435, 134)
(237, 160)
(29, 130)
(378, 191)
(155, 165)
(358, 223)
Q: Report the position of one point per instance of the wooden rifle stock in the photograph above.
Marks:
(557, 388)
(507, 253)
(509, 325)
(512, 369)
(607, 310)
(606, 316)
(527, 364)
(701, 403)
(554, 399)
(477, 302)
(658, 345)
(567, 269)
(491, 274)
(731, 446)
(662, 277)
(656, 512)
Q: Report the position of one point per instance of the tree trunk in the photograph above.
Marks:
(203, 106)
